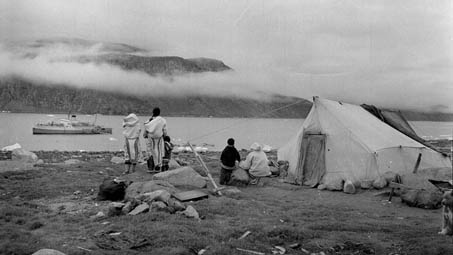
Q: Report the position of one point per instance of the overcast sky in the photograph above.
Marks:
(390, 53)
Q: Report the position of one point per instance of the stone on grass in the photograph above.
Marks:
(380, 182)
(99, 215)
(158, 195)
(140, 209)
(117, 160)
(184, 176)
(72, 161)
(389, 176)
(24, 156)
(40, 162)
(190, 212)
(322, 187)
(176, 205)
(115, 209)
(158, 206)
(127, 208)
(48, 252)
(366, 184)
(349, 187)
(137, 188)
(336, 184)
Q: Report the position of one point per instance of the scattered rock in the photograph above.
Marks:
(115, 209)
(184, 176)
(389, 176)
(140, 209)
(283, 166)
(322, 187)
(127, 208)
(175, 204)
(181, 162)
(158, 206)
(40, 162)
(48, 252)
(99, 215)
(349, 187)
(72, 161)
(190, 212)
(336, 184)
(366, 184)
(117, 160)
(24, 156)
(380, 183)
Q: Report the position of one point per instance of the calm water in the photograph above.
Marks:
(208, 132)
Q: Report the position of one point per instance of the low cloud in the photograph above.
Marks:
(55, 65)
(407, 87)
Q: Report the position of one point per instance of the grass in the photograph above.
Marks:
(38, 209)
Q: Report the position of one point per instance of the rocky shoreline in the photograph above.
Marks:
(60, 156)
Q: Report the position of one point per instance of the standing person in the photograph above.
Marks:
(131, 132)
(156, 129)
(256, 163)
(228, 160)
(168, 147)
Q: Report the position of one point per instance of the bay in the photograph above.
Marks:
(211, 133)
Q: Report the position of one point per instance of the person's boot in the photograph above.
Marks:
(127, 168)
(133, 167)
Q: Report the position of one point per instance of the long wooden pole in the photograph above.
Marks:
(198, 157)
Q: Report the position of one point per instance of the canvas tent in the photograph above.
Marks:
(339, 142)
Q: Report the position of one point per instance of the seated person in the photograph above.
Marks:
(256, 163)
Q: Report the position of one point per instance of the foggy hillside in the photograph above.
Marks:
(69, 74)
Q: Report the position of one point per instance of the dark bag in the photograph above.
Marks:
(112, 190)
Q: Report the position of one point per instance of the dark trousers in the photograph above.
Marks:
(225, 176)
(150, 163)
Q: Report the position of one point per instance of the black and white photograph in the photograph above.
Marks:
(249, 127)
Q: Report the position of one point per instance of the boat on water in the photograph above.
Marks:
(70, 126)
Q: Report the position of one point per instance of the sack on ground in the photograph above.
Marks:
(111, 190)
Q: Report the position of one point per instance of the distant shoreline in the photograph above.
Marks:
(434, 117)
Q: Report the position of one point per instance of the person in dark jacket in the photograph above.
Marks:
(228, 160)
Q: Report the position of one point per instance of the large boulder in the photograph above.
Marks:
(184, 176)
(138, 188)
(24, 156)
